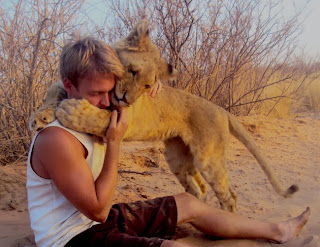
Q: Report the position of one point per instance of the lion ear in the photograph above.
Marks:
(139, 38)
(166, 71)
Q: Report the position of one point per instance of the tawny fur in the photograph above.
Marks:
(195, 132)
(45, 114)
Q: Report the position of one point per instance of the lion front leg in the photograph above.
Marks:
(56, 94)
(81, 116)
(45, 114)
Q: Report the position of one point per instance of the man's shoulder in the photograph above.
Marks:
(84, 138)
(54, 144)
(55, 136)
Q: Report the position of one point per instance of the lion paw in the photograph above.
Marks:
(41, 118)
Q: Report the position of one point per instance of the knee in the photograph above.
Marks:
(186, 197)
(187, 207)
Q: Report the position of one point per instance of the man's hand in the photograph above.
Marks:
(155, 88)
(118, 126)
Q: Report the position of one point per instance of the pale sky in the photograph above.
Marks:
(309, 39)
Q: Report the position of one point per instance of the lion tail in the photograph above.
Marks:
(242, 135)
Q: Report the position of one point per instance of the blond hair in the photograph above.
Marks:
(87, 58)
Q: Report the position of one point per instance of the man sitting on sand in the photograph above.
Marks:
(72, 177)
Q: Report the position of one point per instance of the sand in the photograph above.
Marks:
(293, 147)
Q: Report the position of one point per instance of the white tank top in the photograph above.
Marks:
(54, 220)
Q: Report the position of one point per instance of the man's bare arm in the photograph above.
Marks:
(108, 175)
(63, 158)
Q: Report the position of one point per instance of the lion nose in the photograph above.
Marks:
(124, 98)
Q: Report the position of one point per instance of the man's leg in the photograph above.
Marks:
(171, 243)
(217, 222)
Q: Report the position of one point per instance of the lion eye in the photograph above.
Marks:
(146, 86)
(44, 119)
(133, 72)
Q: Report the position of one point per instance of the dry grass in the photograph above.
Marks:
(311, 97)
(31, 34)
(288, 99)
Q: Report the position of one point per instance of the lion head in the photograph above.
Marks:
(143, 65)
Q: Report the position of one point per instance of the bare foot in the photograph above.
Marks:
(291, 228)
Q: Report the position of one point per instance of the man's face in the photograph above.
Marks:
(96, 90)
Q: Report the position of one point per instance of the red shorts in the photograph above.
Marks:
(142, 223)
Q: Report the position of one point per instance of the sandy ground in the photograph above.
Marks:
(293, 147)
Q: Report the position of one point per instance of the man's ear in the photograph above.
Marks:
(68, 86)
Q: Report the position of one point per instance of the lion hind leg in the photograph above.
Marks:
(180, 161)
(195, 176)
(214, 172)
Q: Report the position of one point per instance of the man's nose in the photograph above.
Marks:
(104, 101)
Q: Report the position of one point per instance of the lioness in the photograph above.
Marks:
(195, 131)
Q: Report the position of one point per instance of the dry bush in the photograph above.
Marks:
(229, 52)
(31, 35)
(237, 54)
(287, 92)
